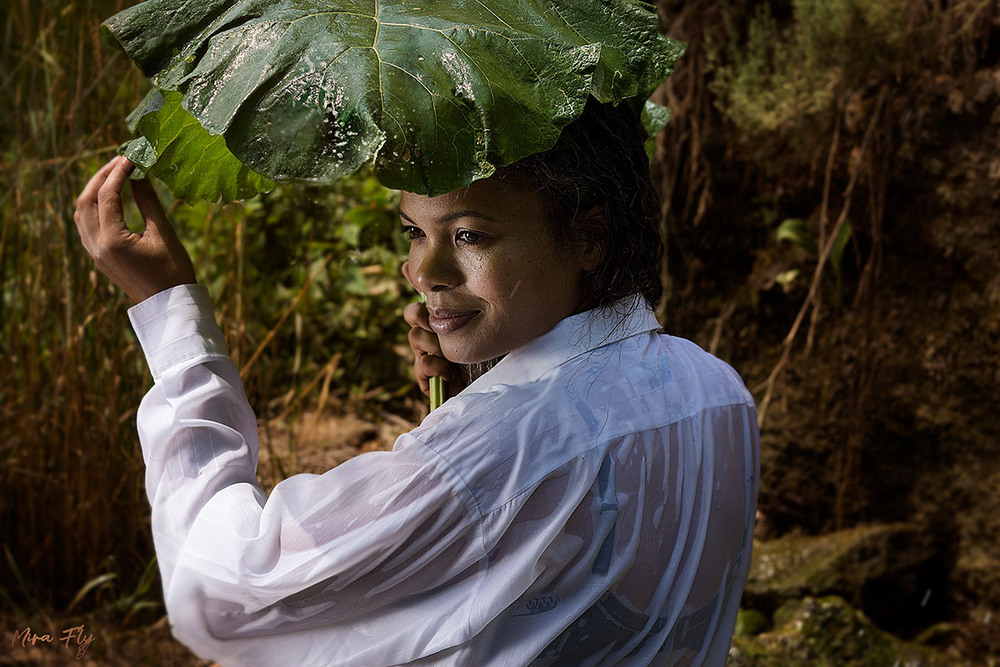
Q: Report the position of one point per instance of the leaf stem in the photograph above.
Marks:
(437, 385)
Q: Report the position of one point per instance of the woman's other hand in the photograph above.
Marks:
(429, 360)
(142, 264)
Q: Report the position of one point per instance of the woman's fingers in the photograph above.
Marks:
(429, 366)
(88, 196)
(109, 199)
(436, 366)
(429, 360)
(141, 264)
(87, 217)
(158, 224)
(415, 315)
(150, 207)
(422, 339)
(424, 342)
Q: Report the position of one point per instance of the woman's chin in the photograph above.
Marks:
(468, 355)
(462, 356)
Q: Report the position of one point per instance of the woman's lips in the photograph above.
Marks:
(449, 321)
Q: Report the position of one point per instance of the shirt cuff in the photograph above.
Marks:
(176, 326)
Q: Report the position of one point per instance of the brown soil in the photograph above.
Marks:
(318, 444)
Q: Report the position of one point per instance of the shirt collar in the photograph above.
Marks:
(573, 336)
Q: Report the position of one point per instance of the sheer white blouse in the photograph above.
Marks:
(588, 501)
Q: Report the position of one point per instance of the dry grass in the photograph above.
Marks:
(74, 519)
(70, 370)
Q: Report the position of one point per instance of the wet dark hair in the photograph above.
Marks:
(599, 162)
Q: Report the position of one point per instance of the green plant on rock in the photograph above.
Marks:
(827, 631)
(780, 79)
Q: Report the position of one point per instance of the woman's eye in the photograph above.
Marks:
(469, 237)
(412, 232)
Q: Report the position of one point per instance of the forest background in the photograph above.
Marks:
(829, 182)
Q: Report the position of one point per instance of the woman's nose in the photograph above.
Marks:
(436, 269)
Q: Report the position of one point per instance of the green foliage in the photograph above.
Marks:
(343, 241)
(798, 232)
(176, 149)
(765, 85)
(837, 254)
(654, 118)
(433, 97)
(112, 600)
(779, 79)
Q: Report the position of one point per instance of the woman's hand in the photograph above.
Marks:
(141, 264)
(430, 361)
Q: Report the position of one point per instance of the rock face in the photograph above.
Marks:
(828, 631)
(884, 402)
(894, 572)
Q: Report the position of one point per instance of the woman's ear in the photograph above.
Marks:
(592, 230)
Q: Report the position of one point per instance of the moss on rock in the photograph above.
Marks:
(894, 572)
(827, 631)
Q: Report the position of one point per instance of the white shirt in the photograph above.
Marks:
(590, 500)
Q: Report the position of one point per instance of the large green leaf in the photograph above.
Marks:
(176, 149)
(436, 94)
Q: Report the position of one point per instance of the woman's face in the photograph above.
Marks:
(493, 276)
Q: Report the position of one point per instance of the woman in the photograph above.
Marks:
(589, 499)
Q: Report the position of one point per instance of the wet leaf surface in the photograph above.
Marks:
(435, 94)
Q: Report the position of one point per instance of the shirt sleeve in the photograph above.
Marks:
(328, 565)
